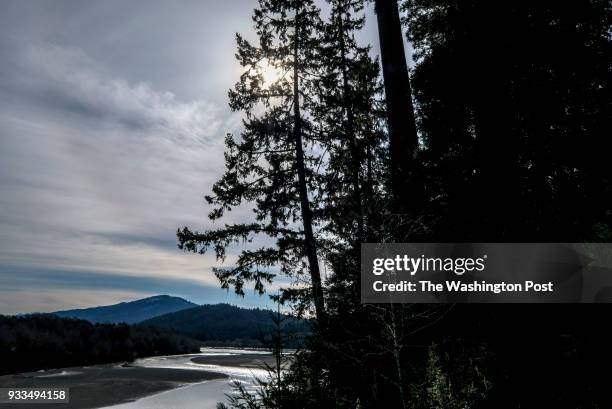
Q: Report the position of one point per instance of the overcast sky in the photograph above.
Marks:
(112, 119)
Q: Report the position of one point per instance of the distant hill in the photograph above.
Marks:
(130, 312)
(224, 324)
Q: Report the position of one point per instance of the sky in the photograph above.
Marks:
(112, 120)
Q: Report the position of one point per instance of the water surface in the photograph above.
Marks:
(203, 395)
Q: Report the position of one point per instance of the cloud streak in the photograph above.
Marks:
(101, 171)
(77, 84)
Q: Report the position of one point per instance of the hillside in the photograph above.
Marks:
(223, 324)
(129, 312)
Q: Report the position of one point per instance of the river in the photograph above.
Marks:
(203, 395)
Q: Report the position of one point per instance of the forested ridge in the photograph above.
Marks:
(45, 341)
(227, 325)
(498, 133)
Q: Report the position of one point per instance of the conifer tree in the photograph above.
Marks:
(270, 164)
(347, 88)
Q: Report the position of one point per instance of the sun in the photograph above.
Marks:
(270, 73)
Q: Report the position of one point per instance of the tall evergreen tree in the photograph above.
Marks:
(270, 164)
(513, 105)
(347, 89)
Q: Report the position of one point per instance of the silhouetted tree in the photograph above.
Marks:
(269, 164)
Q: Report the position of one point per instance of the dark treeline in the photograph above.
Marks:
(45, 341)
(498, 133)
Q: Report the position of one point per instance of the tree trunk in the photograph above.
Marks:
(350, 130)
(403, 139)
(397, 359)
(311, 249)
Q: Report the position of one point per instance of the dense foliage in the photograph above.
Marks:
(514, 109)
(44, 341)
(499, 133)
(227, 325)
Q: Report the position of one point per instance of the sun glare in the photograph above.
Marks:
(270, 73)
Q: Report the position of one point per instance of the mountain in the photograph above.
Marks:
(224, 324)
(130, 312)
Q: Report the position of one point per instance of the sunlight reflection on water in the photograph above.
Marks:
(203, 395)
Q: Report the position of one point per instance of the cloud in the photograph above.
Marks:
(77, 84)
(47, 300)
(100, 172)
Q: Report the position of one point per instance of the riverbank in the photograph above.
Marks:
(252, 361)
(107, 385)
